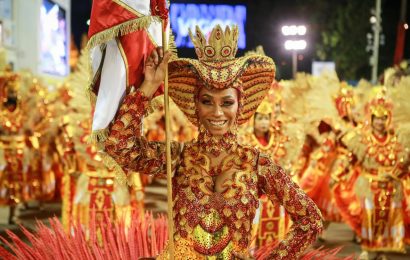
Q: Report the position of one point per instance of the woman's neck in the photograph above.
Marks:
(262, 137)
(216, 145)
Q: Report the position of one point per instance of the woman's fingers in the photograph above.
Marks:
(165, 59)
(154, 56)
(158, 57)
(160, 52)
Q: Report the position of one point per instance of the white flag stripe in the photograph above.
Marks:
(96, 56)
(112, 87)
(155, 31)
(141, 6)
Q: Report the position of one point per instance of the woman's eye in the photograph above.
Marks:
(206, 102)
(227, 103)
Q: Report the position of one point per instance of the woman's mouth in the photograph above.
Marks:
(217, 123)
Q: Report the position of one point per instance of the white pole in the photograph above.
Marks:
(294, 63)
(376, 42)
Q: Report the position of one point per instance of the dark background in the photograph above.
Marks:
(266, 17)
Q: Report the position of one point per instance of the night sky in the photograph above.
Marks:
(264, 21)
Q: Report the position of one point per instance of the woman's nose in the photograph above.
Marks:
(218, 111)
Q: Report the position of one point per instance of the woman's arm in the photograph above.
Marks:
(306, 217)
(125, 143)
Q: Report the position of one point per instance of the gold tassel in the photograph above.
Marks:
(91, 96)
(112, 165)
(98, 136)
(120, 30)
(172, 46)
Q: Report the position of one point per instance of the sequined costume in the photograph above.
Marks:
(214, 219)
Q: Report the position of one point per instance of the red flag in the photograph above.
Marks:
(122, 34)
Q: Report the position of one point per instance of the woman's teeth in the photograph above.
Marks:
(218, 122)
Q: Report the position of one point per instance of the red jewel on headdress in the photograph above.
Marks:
(209, 51)
(226, 51)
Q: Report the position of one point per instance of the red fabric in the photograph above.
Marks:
(345, 198)
(106, 14)
(159, 8)
(137, 46)
(400, 40)
(262, 140)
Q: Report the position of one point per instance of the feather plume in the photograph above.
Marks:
(106, 240)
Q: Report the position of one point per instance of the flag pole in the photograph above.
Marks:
(168, 149)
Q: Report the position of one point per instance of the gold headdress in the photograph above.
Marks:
(380, 106)
(217, 68)
(258, 50)
(265, 107)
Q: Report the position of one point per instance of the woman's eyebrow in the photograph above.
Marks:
(206, 96)
(228, 97)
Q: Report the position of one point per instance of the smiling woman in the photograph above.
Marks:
(217, 110)
(217, 182)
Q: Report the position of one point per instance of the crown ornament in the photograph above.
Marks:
(220, 46)
(380, 106)
(265, 107)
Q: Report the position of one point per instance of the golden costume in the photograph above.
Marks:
(371, 196)
(24, 175)
(214, 204)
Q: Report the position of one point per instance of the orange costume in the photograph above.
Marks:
(330, 104)
(374, 207)
(214, 204)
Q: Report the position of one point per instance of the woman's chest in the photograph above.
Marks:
(383, 154)
(229, 181)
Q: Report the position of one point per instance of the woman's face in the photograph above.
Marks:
(217, 109)
(261, 122)
(379, 123)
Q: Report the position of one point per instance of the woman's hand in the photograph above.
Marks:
(154, 71)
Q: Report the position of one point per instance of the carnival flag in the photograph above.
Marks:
(122, 34)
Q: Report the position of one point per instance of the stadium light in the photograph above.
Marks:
(294, 42)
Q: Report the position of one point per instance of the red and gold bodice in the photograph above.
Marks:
(214, 204)
(379, 156)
